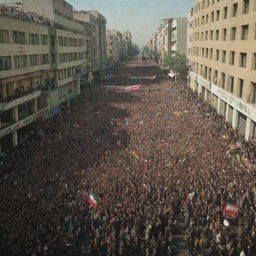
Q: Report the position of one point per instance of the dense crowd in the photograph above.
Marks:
(149, 156)
(17, 13)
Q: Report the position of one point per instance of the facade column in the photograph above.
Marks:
(227, 112)
(199, 89)
(15, 114)
(15, 138)
(249, 129)
(78, 86)
(4, 88)
(218, 105)
(235, 119)
(205, 95)
(34, 106)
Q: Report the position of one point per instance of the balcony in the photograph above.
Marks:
(11, 102)
(24, 122)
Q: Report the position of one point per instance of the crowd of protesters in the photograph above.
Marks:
(17, 13)
(148, 156)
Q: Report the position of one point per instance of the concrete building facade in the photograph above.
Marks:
(98, 43)
(118, 45)
(45, 57)
(222, 56)
(170, 38)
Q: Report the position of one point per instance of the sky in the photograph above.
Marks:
(141, 17)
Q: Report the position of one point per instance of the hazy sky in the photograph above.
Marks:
(141, 17)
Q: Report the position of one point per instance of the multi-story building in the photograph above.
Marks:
(153, 45)
(113, 46)
(127, 38)
(171, 37)
(164, 37)
(189, 32)
(97, 25)
(25, 65)
(118, 45)
(45, 55)
(223, 60)
(179, 36)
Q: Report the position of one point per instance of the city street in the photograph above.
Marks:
(148, 153)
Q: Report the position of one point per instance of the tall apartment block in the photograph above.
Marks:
(170, 38)
(45, 58)
(222, 57)
(97, 30)
(118, 45)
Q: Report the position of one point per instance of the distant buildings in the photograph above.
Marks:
(222, 58)
(170, 38)
(118, 45)
(48, 52)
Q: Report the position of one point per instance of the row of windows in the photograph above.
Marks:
(221, 55)
(216, 15)
(22, 61)
(225, 81)
(23, 38)
(73, 42)
(206, 3)
(223, 34)
(72, 56)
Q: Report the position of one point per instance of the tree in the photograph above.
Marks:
(177, 63)
(146, 49)
(134, 50)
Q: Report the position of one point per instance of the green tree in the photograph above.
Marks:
(177, 63)
(134, 50)
(146, 49)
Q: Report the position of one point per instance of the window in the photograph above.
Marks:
(223, 56)
(246, 4)
(206, 35)
(240, 87)
(234, 11)
(225, 12)
(223, 80)
(215, 76)
(218, 15)
(61, 43)
(253, 92)
(231, 84)
(33, 60)
(5, 63)
(211, 53)
(44, 39)
(233, 34)
(244, 32)
(4, 36)
(206, 18)
(212, 17)
(44, 59)
(254, 61)
(19, 37)
(243, 58)
(217, 34)
(217, 55)
(33, 38)
(232, 58)
(211, 35)
(224, 34)
(20, 61)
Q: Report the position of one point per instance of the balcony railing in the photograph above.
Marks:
(15, 126)
(18, 99)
